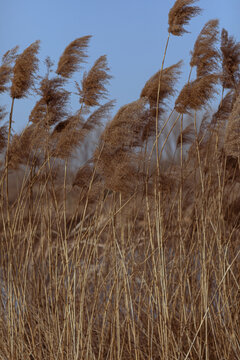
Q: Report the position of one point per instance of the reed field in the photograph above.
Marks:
(133, 253)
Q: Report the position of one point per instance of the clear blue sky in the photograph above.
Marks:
(132, 33)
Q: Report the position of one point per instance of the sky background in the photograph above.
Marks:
(132, 33)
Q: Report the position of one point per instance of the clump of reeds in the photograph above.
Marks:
(111, 259)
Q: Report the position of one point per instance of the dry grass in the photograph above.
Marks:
(126, 257)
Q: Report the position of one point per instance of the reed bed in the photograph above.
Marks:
(135, 253)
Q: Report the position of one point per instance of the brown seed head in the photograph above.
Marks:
(126, 128)
(93, 83)
(73, 56)
(70, 133)
(230, 50)
(180, 15)
(3, 137)
(24, 70)
(187, 136)
(205, 55)
(26, 146)
(169, 77)
(224, 108)
(232, 138)
(51, 108)
(6, 68)
(196, 94)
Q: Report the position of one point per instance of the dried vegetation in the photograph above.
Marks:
(127, 256)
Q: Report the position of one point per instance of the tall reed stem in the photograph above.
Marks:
(158, 97)
(7, 158)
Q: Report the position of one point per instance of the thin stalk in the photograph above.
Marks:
(158, 97)
(7, 158)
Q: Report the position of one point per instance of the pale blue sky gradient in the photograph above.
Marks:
(132, 33)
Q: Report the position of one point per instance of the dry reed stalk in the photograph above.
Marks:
(134, 283)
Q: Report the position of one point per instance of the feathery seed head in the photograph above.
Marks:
(205, 55)
(224, 109)
(26, 146)
(196, 94)
(6, 68)
(125, 130)
(24, 71)
(51, 108)
(3, 136)
(73, 56)
(169, 77)
(230, 50)
(232, 138)
(93, 83)
(180, 15)
(70, 133)
(187, 136)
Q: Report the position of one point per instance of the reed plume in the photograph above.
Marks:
(230, 50)
(2, 112)
(169, 77)
(84, 175)
(187, 136)
(224, 109)
(24, 71)
(3, 130)
(116, 155)
(118, 167)
(232, 137)
(196, 94)
(94, 82)
(25, 148)
(180, 14)
(3, 137)
(205, 55)
(6, 68)
(125, 130)
(70, 133)
(73, 56)
(51, 108)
